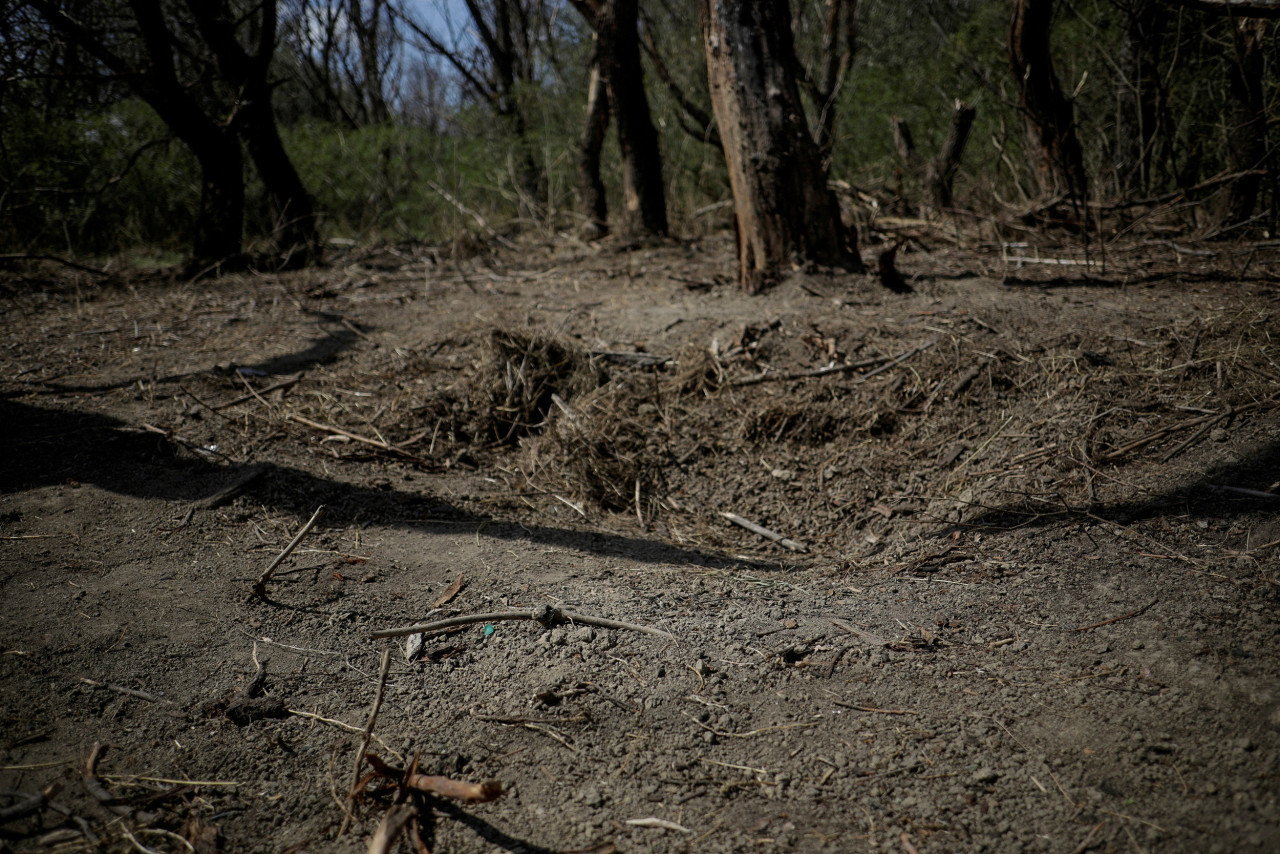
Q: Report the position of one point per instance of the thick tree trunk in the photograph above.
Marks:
(618, 51)
(1053, 148)
(1246, 121)
(942, 171)
(219, 226)
(784, 211)
(591, 196)
(296, 229)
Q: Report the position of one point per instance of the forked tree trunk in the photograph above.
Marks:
(1246, 121)
(784, 211)
(296, 230)
(942, 171)
(644, 205)
(591, 196)
(1053, 148)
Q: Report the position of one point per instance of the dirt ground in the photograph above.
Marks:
(1026, 600)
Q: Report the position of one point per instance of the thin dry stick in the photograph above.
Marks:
(255, 393)
(260, 586)
(1131, 614)
(356, 437)
(358, 764)
(874, 709)
(837, 369)
(547, 616)
(785, 542)
(480, 221)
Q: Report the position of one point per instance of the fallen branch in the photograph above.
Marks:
(785, 542)
(260, 586)
(30, 804)
(885, 363)
(547, 616)
(445, 787)
(1127, 616)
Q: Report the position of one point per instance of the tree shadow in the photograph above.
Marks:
(47, 447)
(1225, 491)
(320, 350)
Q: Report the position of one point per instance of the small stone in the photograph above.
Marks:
(702, 669)
(984, 776)
(1219, 434)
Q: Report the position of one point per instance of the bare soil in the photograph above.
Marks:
(1029, 600)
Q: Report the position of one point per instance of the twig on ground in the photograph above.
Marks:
(260, 586)
(120, 689)
(446, 787)
(785, 542)
(888, 362)
(845, 705)
(660, 823)
(254, 393)
(390, 827)
(30, 804)
(1088, 840)
(358, 764)
(546, 615)
(1140, 611)
(364, 440)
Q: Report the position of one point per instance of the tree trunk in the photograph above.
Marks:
(1138, 98)
(1053, 148)
(296, 229)
(296, 226)
(591, 196)
(618, 54)
(1246, 121)
(219, 227)
(784, 211)
(942, 171)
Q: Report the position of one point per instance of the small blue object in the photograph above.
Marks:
(488, 629)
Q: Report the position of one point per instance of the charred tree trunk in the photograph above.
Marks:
(942, 171)
(784, 211)
(1053, 148)
(1247, 122)
(591, 196)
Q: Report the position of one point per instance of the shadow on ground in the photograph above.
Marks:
(1222, 492)
(54, 446)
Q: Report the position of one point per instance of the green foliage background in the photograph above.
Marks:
(96, 175)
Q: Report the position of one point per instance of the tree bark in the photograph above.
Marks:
(644, 209)
(1053, 148)
(219, 223)
(784, 211)
(591, 195)
(296, 228)
(1246, 121)
(1138, 96)
(942, 171)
